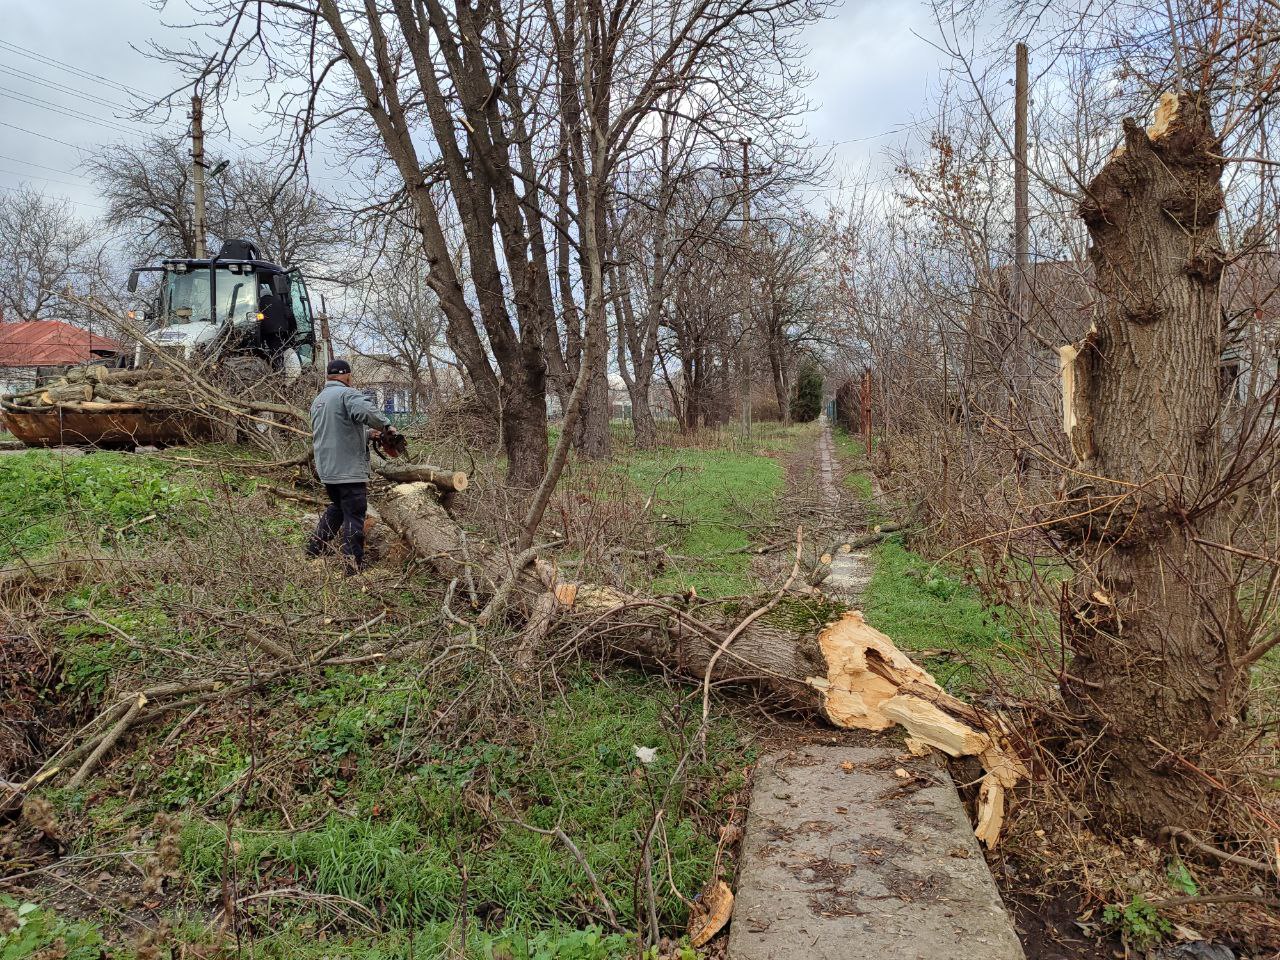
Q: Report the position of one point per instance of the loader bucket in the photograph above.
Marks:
(108, 425)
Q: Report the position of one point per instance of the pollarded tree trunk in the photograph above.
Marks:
(1156, 626)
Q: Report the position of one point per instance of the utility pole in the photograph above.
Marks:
(325, 338)
(745, 142)
(1021, 231)
(197, 170)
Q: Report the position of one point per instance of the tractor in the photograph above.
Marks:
(240, 318)
(240, 321)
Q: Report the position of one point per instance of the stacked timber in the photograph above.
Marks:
(96, 389)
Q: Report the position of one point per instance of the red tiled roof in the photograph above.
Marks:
(49, 343)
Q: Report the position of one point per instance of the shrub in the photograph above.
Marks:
(807, 403)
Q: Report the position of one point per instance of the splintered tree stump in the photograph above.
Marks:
(1158, 637)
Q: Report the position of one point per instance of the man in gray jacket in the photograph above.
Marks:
(342, 421)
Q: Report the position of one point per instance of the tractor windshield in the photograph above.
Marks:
(187, 295)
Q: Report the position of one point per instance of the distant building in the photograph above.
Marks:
(384, 381)
(620, 401)
(33, 351)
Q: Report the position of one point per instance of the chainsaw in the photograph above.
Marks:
(391, 445)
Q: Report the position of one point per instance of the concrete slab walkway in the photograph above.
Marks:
(856, 852)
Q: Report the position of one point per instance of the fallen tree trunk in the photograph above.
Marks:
(413, 511)
(848, 672)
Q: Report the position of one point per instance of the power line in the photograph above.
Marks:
(78, 203)
(14, 126)
(32, 176)
(70, 68)
(32, 163)
(64, 111)
(901, 128)
(59, 87)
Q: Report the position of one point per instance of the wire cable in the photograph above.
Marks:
(125, 112)
(78, 203)
(61, 87)
(64, 111)
(32, 163)
(71, 68)
(32, 176)
(14, 126)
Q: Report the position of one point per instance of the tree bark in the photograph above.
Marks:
(1155, 626)
(638, 379)
(781, 388)
(596, 438)
(524, 428)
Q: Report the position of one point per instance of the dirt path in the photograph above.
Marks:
(851, 569)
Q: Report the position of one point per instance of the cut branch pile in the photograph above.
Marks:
(88, 746)
(850, 674)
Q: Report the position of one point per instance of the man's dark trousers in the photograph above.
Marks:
(348, 504)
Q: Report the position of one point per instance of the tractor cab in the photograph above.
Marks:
(234, 304)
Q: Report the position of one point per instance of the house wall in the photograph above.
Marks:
(20, 379)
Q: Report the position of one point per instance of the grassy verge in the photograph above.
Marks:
(705, 504)
(926, 609)
(48, 498)
(423, 840)
(374, 810)
(851, 452)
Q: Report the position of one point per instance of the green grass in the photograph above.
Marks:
(402, 838)
(299, 941)
(45, 498)
(705, 502)
(849, 445)
(392, 797)
(923, 607)
(860, 483)
(397, 840)
(37, 932)
(852, 453)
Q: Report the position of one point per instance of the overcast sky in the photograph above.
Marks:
(68, 77)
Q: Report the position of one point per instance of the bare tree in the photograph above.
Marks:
(788, 307)
(400, 315)
(149, 198)
(1158, 499)
(282, 213)
(530, 110)
(147, 189)
(1156, 628)
(45, 247)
